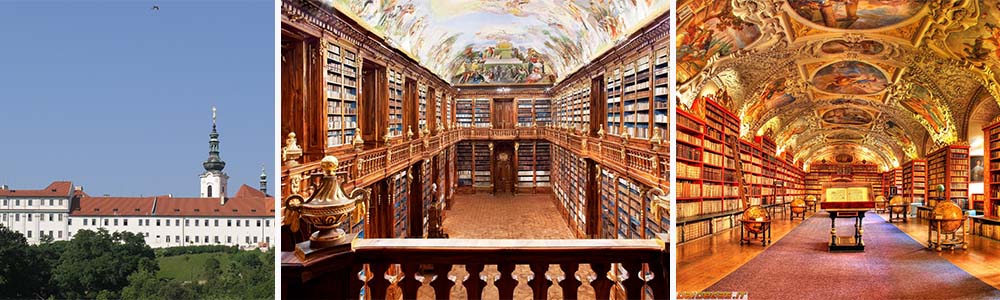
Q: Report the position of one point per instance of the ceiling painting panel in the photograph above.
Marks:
(502, 41)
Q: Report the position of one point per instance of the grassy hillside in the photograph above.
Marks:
(188, 267)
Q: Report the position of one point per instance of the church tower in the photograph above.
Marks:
(213, 181)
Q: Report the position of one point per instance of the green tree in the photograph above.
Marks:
(146, 285)
(21, 273)
(95, 262)
(211, 268)
(247, 275)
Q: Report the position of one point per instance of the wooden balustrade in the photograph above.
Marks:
(642, 161)
(637, 268)
(374, 164)
(505, 133)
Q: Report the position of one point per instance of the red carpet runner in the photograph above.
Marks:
(893, 266)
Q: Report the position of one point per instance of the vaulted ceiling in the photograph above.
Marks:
(502, 41)
(881, 80)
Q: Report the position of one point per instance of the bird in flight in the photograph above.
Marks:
(156, 7)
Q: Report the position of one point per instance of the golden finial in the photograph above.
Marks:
(329, 164)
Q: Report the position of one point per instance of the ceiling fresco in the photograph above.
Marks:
(856, 14)
(707, 28)
(850, 77)
(882, 81)
(502, 41)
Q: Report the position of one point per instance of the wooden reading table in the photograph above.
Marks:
(847, 201)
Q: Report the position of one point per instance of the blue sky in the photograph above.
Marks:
(117, 97)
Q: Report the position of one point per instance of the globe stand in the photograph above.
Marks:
(764, 235)
(797, 212)
(946, 226)
(938, 239)
(898, 212)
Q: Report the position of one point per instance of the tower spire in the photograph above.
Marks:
(214, 163)
(214, 181)
(263, 180)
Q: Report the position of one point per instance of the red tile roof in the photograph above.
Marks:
(248, 202)
(55, 189)
(113, 206)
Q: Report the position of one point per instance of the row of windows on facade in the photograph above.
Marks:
(177, 238)
(142, 222)
(52, 202)
(30, 217)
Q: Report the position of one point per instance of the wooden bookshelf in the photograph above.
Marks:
(948, 166)
(573, 106)
(707, 182)
(613, 89)
(463, 112)
(395, 103)
(624, 214)
(400, 204)
(481, 113)
(481, 158)
(568, 189)
(636, 94)
(464, 163)
(534, 111)
(915, 181)
(341, 79)
(427, 197)
(991, 176)
(533, 166)
(421, 108)
(661, 89)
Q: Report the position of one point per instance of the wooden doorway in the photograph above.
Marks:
(504, 113)
(504, 177)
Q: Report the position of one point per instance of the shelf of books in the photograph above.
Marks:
(613, 77)
(341, 95)
(481, 113)
(463, 163)
(543, 111)
(661, 89)
(915, 181)
(481, 154)
(427, 178)
(395, 103)
(473, 164)
(400, 207)
(636, 97)
(439, 110)
(573, 107)
(421, 108)
(948, 166)
(892, 182)
(525, 114)
(707, 179)
(624, 213)
(533, 165)
(991, 177)
(447, 111)
(569, 190)
(463, 112)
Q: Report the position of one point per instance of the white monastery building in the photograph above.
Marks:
(61, 209)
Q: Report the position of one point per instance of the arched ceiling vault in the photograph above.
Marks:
(874, 79)
(502, 41)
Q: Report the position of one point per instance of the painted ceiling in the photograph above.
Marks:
(881, 81)
(502, 41)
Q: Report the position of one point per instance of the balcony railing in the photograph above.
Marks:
(635, 156)
(397, 268)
